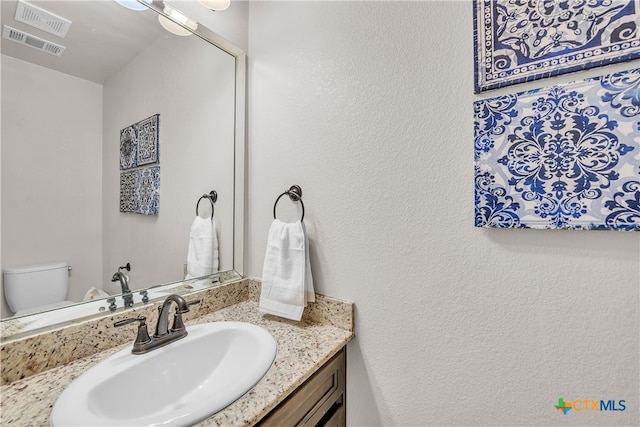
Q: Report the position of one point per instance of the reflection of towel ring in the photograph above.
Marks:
(212, 196)
(295, 194)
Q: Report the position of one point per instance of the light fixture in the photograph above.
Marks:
(133, 4)
(215, 4)
(173, 24)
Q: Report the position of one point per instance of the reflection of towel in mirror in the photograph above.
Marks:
(95, 293)
(202, 256)
(287, 283)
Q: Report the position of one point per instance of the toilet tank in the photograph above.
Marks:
(31, 286)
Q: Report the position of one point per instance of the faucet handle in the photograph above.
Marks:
(140, 319)
(194, 302)
(178, 323)
(143, 333)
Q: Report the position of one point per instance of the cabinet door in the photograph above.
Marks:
(319, 401)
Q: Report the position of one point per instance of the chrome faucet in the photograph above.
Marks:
(124, 284)
(163, 336)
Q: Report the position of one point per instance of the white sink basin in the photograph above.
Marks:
(179, 384)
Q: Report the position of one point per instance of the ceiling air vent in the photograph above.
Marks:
(41, 19)
(32, 41)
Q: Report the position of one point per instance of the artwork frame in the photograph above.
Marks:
(561, 157)
(139, 166)
(140, 143)
(140, 190)
(148, 142)
(517, 41)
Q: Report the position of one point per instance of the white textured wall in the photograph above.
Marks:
(52, 171)
(368, 106)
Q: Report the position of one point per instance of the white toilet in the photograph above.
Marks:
(32, 288)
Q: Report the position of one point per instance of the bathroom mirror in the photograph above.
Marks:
(61, 159)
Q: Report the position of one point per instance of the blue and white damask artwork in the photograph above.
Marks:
(566, 156)
(148, 190)
(140, 186)
(140, 143)
(128, 148)
(127, 191)
(148, 140)
(523, 40)
(140, 191)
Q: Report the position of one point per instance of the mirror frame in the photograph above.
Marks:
(7, 325)
(240, 126)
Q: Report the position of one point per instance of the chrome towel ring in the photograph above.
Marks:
(212, 196)
(295, 194)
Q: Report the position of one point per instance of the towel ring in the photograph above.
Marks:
(295, 194)
(212, 196)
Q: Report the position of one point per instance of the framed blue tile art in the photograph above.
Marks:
(523, 40)
(140, 190)
(128, 148)
(127, 191)
(148, 140)
(148, 190)
(566, 156)
(140, 143)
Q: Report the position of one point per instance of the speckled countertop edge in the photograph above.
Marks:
(302, 348)
(49, 349)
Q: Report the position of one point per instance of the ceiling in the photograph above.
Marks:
(103, 37)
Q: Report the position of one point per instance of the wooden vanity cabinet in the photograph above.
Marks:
(319, 401)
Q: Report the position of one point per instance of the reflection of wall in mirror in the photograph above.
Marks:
(191, 85)
(51, 163)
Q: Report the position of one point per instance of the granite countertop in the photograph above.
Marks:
(302, 348)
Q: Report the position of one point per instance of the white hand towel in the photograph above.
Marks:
(309, 291)
(287, 282)
(202, 256)
(95, 293)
